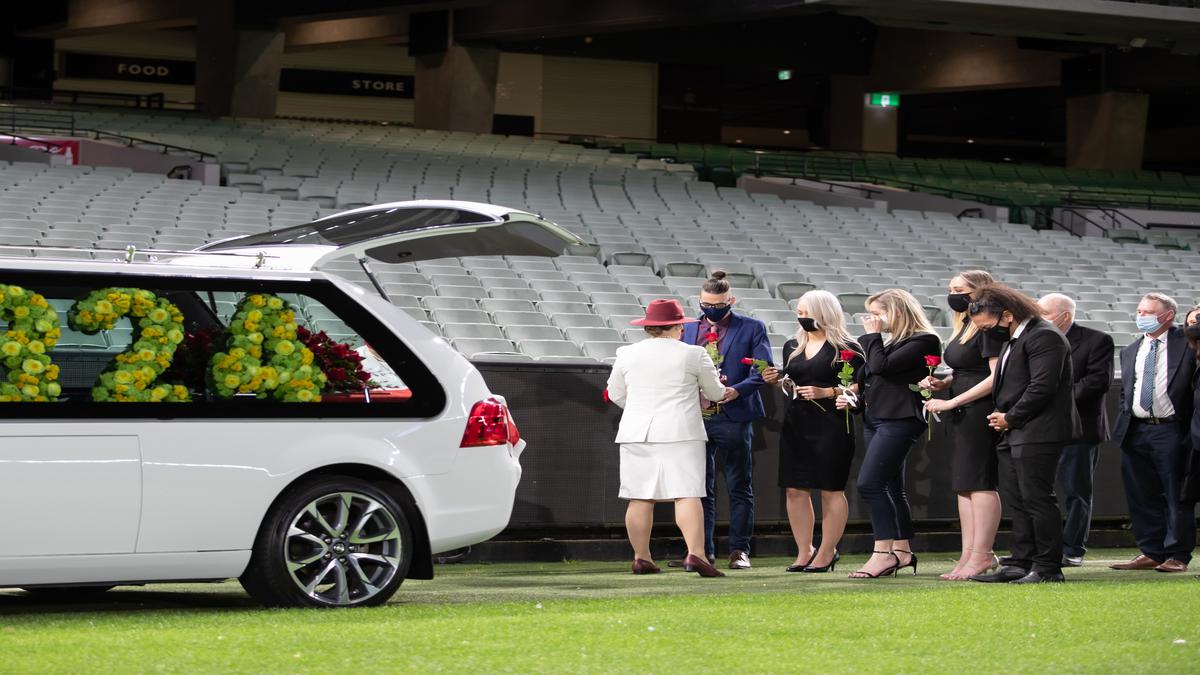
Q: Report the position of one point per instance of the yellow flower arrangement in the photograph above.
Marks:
(32, 332)
(132, 375)
(264, 327)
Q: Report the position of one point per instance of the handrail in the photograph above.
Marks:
(47, 144)
(55, 121)
(832, 184)
(130, 140)
(1145, 199)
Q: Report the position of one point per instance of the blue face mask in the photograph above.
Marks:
(716, 314)
(1147, 324)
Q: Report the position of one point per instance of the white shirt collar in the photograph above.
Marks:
(1020, 328)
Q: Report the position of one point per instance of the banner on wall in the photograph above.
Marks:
(62, 151)
(129, 68)
(343, 83)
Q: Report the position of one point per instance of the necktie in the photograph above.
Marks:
(1149, 370)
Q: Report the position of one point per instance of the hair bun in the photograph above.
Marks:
(718, 274)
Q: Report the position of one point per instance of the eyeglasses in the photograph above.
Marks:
(709, 305)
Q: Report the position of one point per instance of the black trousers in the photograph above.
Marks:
(1152, 462)
(1027, 474)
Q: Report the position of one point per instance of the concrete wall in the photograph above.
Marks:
(94, 153)
(1107, 131)
(918, 60)
(808, 191)
(17, 153)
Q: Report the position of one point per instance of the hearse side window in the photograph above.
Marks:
(107, 345)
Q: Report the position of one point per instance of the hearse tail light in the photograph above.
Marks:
(490, 424)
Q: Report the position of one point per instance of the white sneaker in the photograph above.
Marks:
(1072, 560)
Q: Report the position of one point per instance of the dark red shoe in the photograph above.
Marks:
(701, 566)
(644, 567)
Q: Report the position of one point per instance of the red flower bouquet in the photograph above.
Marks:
(932, 361)
(846, 377)
(341, 364)
(758, 364)
(710, 346)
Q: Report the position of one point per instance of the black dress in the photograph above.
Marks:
(973, 443)
(814, 449)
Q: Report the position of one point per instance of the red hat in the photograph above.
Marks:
(663, 312)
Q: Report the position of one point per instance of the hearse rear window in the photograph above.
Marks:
(102, 345)
(351, 228)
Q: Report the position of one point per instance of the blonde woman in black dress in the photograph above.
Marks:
(816, 443)
(972, 357)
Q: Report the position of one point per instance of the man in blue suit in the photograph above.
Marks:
(729, 422)
(1155, 417)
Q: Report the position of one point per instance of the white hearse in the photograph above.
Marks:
(131, 453)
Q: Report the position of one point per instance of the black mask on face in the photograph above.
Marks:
(809, 324)
(998, 333)
(1192, 332)
(958, 301)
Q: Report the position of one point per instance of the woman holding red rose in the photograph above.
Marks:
(893, 420)
(972, 356)
(816, 444)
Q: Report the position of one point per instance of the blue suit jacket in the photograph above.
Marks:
(1179, 381)
(744, 337)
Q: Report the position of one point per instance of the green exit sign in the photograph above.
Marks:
(783, 74)
(885, 99)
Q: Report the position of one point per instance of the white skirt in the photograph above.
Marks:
(663, 471)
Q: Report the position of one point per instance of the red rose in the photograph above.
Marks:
(711, 337)
(363, 376)
(748, 361)
(847, 355)
(933, 361)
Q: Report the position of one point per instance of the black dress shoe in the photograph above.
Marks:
(1036, 577)
(1003, 575)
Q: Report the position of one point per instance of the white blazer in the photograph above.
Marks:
(658, 382)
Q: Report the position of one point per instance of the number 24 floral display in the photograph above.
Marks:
(33, 330)
(133, 374)
(263, 355)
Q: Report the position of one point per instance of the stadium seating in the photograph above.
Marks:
(659, 233)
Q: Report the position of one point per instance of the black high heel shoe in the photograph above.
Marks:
(912, 561)
(885, 572)
(825, 568)
(804, 567)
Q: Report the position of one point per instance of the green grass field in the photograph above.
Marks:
(596, 617)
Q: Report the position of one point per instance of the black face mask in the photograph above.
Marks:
(809, 324)
(959, 301)
(1192, 332)
(998, 333)
(716, 314)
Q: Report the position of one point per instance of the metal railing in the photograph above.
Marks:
(1130, 198)
(17, 119)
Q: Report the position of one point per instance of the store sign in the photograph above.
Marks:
(341, 83)
(130, 68)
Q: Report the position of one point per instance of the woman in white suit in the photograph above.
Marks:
(658, 383)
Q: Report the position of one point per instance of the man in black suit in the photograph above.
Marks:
(1152, 428)
(1092, 364)
(1035, 415)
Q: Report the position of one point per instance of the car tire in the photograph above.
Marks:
(330, 541)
